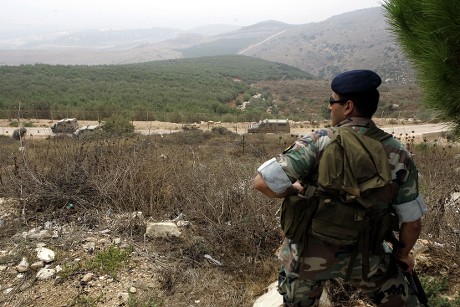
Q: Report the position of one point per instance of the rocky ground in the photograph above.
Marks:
(67, 264)
(112, 260)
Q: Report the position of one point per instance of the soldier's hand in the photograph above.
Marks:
(298, 187)
(405, 262)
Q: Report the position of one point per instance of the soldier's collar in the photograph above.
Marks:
(357, 121)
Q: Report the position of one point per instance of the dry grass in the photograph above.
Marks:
(207, 176)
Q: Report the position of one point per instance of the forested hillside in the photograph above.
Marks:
(173, 90)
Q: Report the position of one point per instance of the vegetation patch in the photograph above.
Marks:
(109, 261)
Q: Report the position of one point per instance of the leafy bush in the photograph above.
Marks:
(14, 123)
(118, 125)
(434, 288)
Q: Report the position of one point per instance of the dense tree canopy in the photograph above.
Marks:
(148, 91)
(429, 32)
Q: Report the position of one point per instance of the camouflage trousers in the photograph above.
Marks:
(301, 279)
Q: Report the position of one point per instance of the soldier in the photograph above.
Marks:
(307, 265)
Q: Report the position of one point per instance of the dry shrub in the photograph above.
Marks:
(206, 176)
(344, 294)
(438, 164)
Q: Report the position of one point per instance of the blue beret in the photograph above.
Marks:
(355, 81)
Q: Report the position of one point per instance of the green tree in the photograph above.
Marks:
(429, 33)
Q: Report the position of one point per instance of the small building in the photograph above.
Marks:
(66, 125)
(270, 126)
(87, 131)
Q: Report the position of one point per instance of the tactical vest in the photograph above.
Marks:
(347, 201)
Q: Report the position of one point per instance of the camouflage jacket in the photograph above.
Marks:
(300, 159)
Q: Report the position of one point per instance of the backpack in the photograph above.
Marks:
(345, 203)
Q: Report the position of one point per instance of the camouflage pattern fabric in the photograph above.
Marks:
(299, 160)
(302, 277)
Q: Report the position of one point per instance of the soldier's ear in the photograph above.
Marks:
(350, 108)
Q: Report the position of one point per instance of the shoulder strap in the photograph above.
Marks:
(353, 163)
(377, 134)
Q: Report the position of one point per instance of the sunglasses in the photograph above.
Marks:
(332, 101)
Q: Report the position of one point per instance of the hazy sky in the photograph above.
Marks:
(182, 14)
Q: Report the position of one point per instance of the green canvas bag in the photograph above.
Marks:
(352, 168)
(341, 205)
(297, 213)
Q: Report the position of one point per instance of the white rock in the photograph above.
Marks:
(7, 290)
(132, 290)
(20, 276)
(58, 268)
(58, 280)
(180, 217)
(183, 223)
(420, 247)
(37, 265)
(217, 262)
(45, 274)
(86, 278)
(273, 299)
(455, 197)
(270, 299)
(23, 266)
(45, 254)
(137, 214)
(162, 230)
(117, 241)
(37, 234)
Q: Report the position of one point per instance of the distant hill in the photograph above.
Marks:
(358, 39)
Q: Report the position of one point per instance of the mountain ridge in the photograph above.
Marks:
(357, 39)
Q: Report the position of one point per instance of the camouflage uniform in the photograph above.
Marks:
(302, 277)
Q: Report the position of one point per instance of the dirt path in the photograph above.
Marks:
(41, 128)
